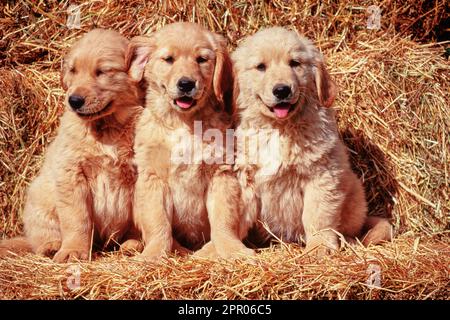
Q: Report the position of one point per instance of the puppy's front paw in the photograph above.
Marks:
(152, 255)
(239, 252)
(71, 255)
(319, 251)
(208, 251)
(320, 246)
(225, 251)
(131, 246)
(48, 249)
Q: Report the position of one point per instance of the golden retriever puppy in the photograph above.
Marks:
(85, 189)
(302, 187)
(188, 72)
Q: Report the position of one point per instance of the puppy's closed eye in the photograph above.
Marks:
(201, 60)
(105, 71)
(99, 72)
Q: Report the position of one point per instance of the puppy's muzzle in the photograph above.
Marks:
(76, 102)
(283, 93)
(186, 90)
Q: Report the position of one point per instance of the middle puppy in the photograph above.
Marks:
(188, 71)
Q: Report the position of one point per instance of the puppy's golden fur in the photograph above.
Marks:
(306, 189)
(174, 200)
(86, 184)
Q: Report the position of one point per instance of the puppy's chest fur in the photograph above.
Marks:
(189, 187)
(165, 145)
(111, 176)
(279, 179)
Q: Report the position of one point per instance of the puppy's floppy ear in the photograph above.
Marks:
(326, 88)
(223, 74)
(235, 93)
(64, 70)
(63, 74)
(138, 53)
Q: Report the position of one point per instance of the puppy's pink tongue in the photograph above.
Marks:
(281, 110)
(184, 103)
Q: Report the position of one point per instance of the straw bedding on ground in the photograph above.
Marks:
(392, 112)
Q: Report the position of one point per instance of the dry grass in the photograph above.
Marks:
(277, 273)
(393, 114)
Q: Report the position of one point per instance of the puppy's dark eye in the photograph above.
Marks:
(201, 60)
(261, 67)
(72, 70)
(294, 63)
(168, 59)
(99, 72)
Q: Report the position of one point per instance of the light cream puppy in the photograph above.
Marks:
(185, 203)
(86, 184)
(304, 189)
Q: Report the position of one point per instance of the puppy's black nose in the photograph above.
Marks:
(281, 91)
(185, 85)
(76, 102)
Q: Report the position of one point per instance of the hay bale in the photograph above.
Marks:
(394, 117)
(392, 113)
(29, 110)
(403, 269)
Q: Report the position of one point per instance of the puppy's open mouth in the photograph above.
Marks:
(185, 103)
(282, 110)
(97, 113)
